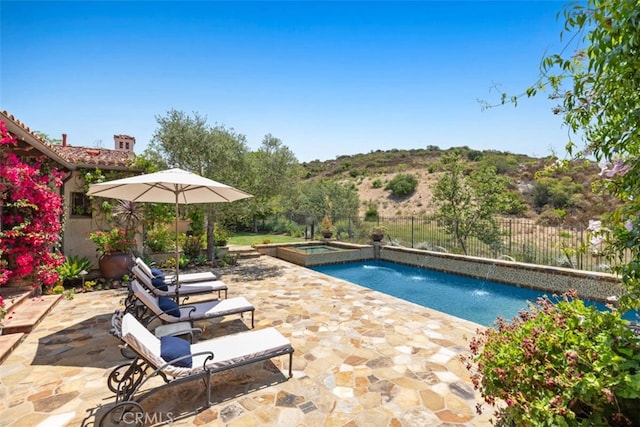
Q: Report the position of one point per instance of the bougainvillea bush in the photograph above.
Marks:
(31, 213)
(559, 364)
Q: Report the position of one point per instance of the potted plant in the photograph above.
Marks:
(114, 247)
(327, 227)
(377, 233)
(220, 240)
(160, 244)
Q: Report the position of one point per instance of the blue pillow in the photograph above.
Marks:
(169, 306)
(156, 272)
(172, 348)
(159, 283)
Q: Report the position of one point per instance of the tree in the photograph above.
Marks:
(272, 177)
(322, 197)
(468, 204)
(216, 152)
(597, 85)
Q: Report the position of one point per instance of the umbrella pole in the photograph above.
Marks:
(177, 256)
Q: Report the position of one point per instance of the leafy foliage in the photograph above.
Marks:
(468, 205)
(192, 247)
(160, 239)
(73, 266)
(559, 364)
(221, 236)
(402, 184)
(326, 197)
(567, 364)
(597, 86)
(214, 152)
(112, 241)
(31, 210)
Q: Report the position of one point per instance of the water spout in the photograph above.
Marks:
(507, 258)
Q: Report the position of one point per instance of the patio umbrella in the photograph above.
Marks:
(169, 186)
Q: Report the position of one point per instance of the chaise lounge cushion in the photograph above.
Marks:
(156, 272)
(169, 306)
(172, 348)
(160, 284)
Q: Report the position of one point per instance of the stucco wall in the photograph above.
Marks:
(77, 228)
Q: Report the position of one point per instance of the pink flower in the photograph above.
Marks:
(617, 168)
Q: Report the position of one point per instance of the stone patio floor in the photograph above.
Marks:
(361, 358)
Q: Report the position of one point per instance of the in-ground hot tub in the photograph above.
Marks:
(318, 253)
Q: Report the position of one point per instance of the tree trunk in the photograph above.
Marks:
(211, 250)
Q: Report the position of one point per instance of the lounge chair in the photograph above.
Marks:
(148, 307)
(204, 276)
(159, 286)
(175, 360)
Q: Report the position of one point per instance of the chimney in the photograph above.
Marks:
(64, 139)
(124, 143)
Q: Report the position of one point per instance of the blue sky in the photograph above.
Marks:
(327, 78)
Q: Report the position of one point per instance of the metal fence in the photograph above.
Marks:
(521, 239)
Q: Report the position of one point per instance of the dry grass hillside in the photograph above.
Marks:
(562, 196)
(419, 203)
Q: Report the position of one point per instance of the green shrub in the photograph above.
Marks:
(562, 364)
(73, 266)
(192, 247)
(220, 236)
(372, 213)
(160, 239)
(377, 183)
(402, 184)
(549, 217)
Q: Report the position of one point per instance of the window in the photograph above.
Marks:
(80, 204)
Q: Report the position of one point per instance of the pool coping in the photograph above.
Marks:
(597, 286)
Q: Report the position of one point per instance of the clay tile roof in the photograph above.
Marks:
(96, 157)
(25, 128)
(79, 156)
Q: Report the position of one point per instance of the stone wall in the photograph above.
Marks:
(590, 285)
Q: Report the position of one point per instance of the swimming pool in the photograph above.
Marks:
(480, 301)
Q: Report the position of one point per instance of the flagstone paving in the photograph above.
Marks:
(361, 358)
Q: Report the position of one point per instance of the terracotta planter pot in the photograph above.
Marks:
(377, 237)
(115, 265)
(326, 234)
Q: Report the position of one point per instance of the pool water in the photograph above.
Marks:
(315, 249)
(480, 301)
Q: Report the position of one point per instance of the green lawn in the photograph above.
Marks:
(247, 239)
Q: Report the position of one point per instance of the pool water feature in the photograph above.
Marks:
(480, 301)
(317, 249)
(310, 254)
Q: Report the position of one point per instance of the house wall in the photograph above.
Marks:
(77, 228)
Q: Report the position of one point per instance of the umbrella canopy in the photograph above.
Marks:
(169, 186)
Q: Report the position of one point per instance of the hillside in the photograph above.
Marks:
(561, 196)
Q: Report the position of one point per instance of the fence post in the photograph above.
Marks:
(510, 234)
(412, 231)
